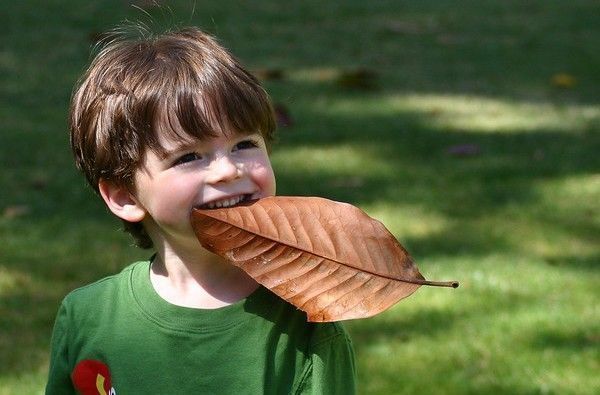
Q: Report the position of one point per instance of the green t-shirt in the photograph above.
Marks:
(118, 336)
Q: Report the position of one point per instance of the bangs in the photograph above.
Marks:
(198, 114)
(219, 99)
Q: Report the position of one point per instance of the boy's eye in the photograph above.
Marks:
(190, 157)
(245, 144)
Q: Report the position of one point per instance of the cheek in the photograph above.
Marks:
(263, 176)
(169, 197)
(269, 183)
(180, 191)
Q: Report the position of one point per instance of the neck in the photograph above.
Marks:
(198, 279)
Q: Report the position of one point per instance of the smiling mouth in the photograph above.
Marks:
(226, 202)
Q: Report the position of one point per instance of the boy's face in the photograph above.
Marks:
(218, 172)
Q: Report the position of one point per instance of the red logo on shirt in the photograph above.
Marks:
(91, 377)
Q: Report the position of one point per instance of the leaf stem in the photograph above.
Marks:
(449, 284)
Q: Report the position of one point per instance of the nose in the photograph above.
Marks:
(222, 169)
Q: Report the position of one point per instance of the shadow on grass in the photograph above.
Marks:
(404, 328)
(575, 340)
(405, 324)
(27, 318)
(575, 262)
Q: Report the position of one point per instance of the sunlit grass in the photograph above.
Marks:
(479, 114)
(337, 159)
(30, 382)
(408, 220)
(13, 280)
(504, 330)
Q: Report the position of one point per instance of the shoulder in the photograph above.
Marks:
(100, 292)
(292, 321)
(325, 334)
(332, 366)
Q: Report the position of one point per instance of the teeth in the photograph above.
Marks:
(228, 202)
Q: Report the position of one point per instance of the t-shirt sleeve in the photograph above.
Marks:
(333, 370)
(59, 380)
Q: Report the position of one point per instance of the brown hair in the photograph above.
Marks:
(132, 85)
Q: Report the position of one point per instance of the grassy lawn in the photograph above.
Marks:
(474, 137)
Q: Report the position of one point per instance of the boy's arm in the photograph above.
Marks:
(333, 368)
(59, 377)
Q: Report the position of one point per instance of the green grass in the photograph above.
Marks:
(517, 222)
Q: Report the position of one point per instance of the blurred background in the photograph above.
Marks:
(469, 128)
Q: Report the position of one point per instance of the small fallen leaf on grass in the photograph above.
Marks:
(267, 74)
(360, 79)
(563, 80)
(39, 183)
(15, 211)
(327, 258)
(282, 115)
(464, 150)
(406, 27)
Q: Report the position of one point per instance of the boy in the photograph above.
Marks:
(158, 126)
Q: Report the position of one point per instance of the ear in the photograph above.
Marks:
(120, 201)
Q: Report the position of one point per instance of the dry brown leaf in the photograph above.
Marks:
(327, 258)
